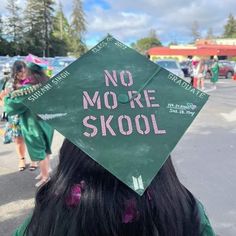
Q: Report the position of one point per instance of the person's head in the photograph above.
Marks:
(215, 58)
(82, 198)
(36, 74)
(18, 72)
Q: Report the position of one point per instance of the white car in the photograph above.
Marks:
(171, 65)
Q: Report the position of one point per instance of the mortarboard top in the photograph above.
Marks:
(34, 60)
(123, 110)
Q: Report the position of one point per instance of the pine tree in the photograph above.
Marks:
(230, 27)
(195, 31)
(61, 33)
(4, 48)
(47, 12)
(14, 25)
(38, 26)
(78, 28)
(1, 26)
(209, 34)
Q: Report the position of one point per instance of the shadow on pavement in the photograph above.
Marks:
(17, 186)
(7, 227)
(5, 153)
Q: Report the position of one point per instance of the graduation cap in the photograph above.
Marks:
(32, 60)
(126, 112)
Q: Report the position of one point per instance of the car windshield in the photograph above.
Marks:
(168, 64)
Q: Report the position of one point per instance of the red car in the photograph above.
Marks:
(226, 69)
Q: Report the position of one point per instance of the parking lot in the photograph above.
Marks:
(204, 159)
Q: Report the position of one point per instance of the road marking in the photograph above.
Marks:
(209, 90)
(9, 208)
(230, 117)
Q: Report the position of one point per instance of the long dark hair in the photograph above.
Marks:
(166, 208)
(36, 74)
(17, 67)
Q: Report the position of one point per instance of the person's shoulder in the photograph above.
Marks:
(25, 90)
(206, 228)
(21, 230)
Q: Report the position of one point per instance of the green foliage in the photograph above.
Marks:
(37, 29)
(142, 45)
(38, 26)
(78, 27)
(60, 38)
(4, 47)
(230, 27)
(14, 27)
(78, 20)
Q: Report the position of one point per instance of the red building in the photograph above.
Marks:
(202, 48)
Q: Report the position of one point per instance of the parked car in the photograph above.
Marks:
(186, 68)
(172, 66)
(59, 63)
(226, 69)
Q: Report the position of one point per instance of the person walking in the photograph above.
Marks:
(193, 74)
(12, 128)
(201, 74)
(214, 72)
(36, 132)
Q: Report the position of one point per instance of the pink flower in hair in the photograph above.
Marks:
(75, 195)
(36, 60)
(131, 213)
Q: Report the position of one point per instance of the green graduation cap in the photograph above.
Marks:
(126, 112)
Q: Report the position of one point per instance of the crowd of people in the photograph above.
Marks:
(83, 198)
(201, 70)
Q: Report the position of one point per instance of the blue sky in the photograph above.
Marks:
(131, 20)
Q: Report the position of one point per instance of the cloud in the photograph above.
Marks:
(3, 6)
(132, 20)
(123, 24)
(171, 19)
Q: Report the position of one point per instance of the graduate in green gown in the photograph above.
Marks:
(37, 133)
(115, 176)
(83, 198)
(215, 72)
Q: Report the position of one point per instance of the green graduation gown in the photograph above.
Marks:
(36, 132)
(206, 229)
(215, 72)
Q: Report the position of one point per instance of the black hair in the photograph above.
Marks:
(36, 74)
(17, 67)
(166, 208)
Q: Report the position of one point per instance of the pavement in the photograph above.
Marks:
(205, 161)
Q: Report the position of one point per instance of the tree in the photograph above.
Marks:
(195, 32)
(210, 34)
(3, 42)
(38, 26)
(143, 44)
(14, 25)
(1, 26)
(78, 28)
(61, 40)
(47, 13)
(152, 34)
(230, 27)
